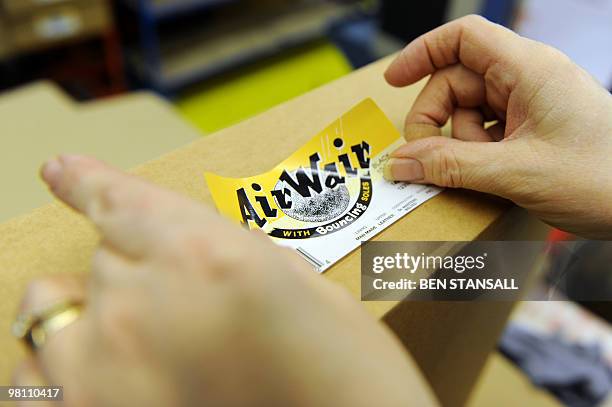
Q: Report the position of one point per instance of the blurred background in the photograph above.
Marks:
(88, 75)
(129, 80)
(202, 54)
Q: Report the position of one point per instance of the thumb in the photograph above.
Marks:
(448, 162)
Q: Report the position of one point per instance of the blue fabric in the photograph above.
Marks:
(578, 375)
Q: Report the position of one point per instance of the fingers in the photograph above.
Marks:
(497, 131)
(49, 291)
(415, 131)
(455, 163)
(453, 92)
(446, 90)
(110, 269)
(468, 125)
(472, 41)
(57, 361)
(28, 373)
(112, 200)
(475, 67)
(404, 169)
(134, 216)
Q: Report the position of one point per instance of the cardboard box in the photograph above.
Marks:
(102, 128)
(43, 26)
(449, 340)
(503, 384)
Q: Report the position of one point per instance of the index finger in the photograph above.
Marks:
(133, 216)
(472, 41)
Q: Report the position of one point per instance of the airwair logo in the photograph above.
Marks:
(317, 194)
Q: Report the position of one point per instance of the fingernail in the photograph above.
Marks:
(403, 169)
(387, 170)
(69, 158)
(415, 131)
(52, 172)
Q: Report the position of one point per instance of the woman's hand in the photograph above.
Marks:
(184, 308)
(554, 124)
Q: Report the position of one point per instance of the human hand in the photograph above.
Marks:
(551, 149)
(184, 308)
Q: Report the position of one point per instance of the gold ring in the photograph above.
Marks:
(35, 328)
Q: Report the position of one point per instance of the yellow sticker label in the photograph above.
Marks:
(316, 183)
(325, 189)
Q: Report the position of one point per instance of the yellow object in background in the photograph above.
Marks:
(237, 96)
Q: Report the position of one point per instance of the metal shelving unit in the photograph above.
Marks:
(166, 9)
(168, 65)
(149, 14)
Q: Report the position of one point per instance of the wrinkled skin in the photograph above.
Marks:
(184, 308)
(551, 148)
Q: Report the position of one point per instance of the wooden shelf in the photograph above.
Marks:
(203, 54)
(166, 9)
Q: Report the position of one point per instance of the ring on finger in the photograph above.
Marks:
(34, 329)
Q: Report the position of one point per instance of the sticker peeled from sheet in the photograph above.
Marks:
(329, 195)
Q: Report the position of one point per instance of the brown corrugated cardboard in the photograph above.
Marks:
(40, 120)
(450, 341)
(503, 384)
